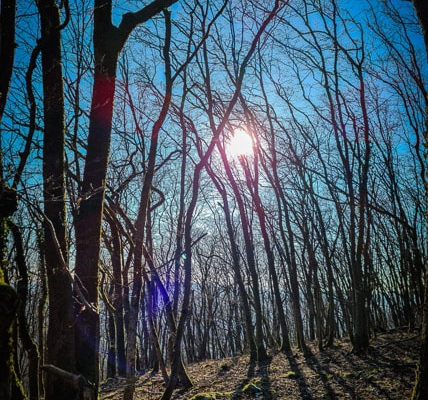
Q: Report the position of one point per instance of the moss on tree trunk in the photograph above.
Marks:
(10, 386)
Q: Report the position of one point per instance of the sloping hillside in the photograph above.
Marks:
(385, 372)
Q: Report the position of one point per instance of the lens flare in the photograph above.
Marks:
(241, 144)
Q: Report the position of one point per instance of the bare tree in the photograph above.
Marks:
(420, 389)
(61, 351)
(217, 130)
(108, 42)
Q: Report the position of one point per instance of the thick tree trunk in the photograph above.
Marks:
(7, 48)
(60, 338)
(10, 387)
(89, 216)
(420, 389)
(108, 42)
(8, 205)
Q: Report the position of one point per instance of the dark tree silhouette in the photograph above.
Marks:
(420, 390)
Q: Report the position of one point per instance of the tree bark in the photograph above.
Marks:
(7, 49)
(420, 389)
(10, 387)
(60, 337)
(118, 312)
(8, 205)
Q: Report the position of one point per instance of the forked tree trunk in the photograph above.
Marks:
(88, 219)
(108, 41)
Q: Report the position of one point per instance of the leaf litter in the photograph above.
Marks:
(385, 371)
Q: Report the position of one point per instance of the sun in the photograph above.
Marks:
(241, 144)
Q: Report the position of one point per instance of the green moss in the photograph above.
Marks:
(251, 389)
(374, 371)
(291, 375)
(264, 380)
(213, 396)
(205, 396)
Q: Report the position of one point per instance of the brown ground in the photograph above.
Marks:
(386, 372)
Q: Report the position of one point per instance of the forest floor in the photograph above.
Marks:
(386, 371)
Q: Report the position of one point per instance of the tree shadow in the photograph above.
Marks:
(326, 375)
(257, 382)
(258, 375)
(301, 380)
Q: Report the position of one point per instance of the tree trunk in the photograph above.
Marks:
(142, 217)
(7, 49)
(88, 219)
(8, 205)
(118, 312)
(420, 389)
(10, 387)
(26, 339)
(60, 338)
(41, 307)
(108, 42)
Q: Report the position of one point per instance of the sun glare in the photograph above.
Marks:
(240, 144)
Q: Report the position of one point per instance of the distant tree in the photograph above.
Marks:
(236, 264)
(23, 289)
(217, 128)
(246, 227)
